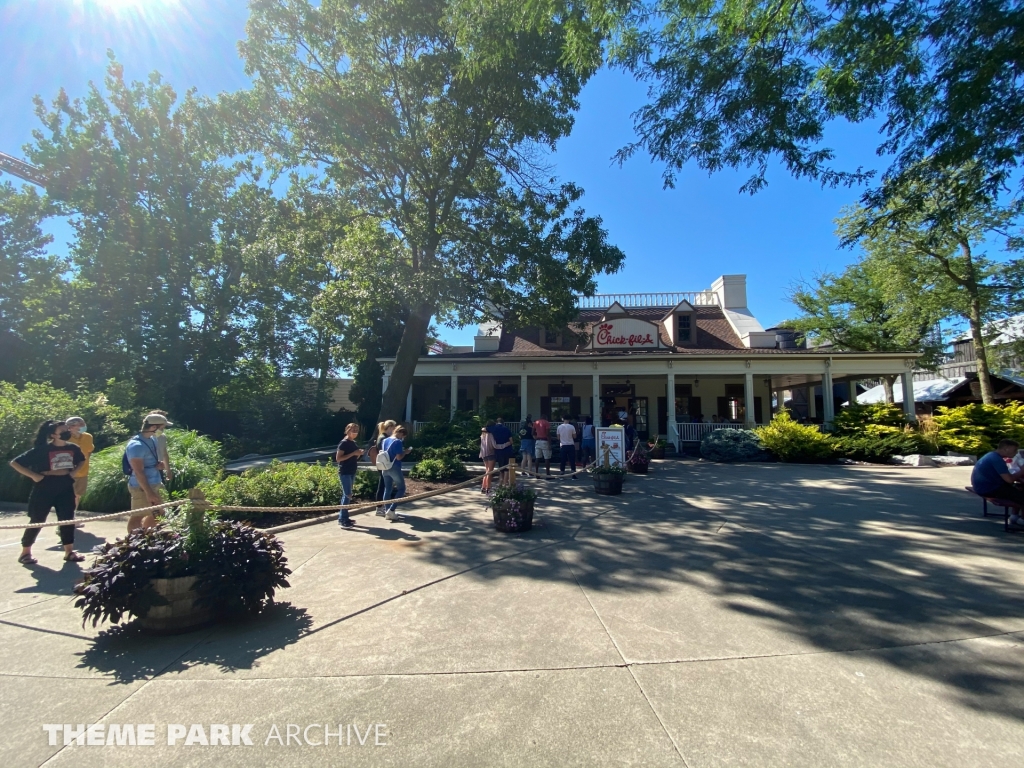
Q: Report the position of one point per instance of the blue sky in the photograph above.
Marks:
(679, 239)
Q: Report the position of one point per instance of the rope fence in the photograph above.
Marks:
(199, 501)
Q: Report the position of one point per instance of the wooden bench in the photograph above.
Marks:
(1005, 504)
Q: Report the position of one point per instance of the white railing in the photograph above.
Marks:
(605, 300)
(688, 432)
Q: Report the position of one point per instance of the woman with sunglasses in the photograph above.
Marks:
(50, 464)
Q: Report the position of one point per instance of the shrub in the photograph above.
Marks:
(365, 486)
(879, 447)
(461, 434)
(238, 567)
(278, 485)
(975, 429)
(194, 458)
(731, 445)
(439, 470)
(791, 441)
(854, 418)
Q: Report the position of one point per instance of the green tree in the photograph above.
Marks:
(736, 83)
(430, 117)
(34, 312)
(941, 221)
(875, 305)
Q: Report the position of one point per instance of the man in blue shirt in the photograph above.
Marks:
(146, 484)
(992, 477)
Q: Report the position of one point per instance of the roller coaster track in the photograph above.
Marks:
(21, 169)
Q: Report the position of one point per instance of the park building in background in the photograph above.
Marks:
(679, 363)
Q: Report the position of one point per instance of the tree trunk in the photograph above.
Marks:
(887, 382)
(981, 352)
(414, 336)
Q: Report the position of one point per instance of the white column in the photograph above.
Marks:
(408, 405)
(828, 401)
(522, 397)
(780, 400)
(672, 435)
(595, 400)
(455, 394)
(812, 406)
(908, 395)
(748, 399)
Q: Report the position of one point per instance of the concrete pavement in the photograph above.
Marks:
(711, 615)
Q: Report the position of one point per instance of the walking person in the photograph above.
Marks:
(487, 456)
(384, 430)
(567, 444)
(527, 444)
(84, 441)
(394, 481)
(49, 464)
(588, 445)
(541, 428)
(347, 458)
(146, 483)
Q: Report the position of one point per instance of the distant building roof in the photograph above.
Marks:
(934, 390)
(1005, 331)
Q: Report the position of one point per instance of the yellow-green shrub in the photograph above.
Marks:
(791, 441)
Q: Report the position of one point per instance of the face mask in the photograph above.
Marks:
(64, 435)
(83, 428)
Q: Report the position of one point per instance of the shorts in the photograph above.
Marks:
(139, 500)
(543, 450)
(81, 483)
(527, 446)
(492, 457)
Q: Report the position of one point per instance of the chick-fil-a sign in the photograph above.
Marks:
(628, 333)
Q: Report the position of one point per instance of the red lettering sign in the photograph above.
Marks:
(606, 338)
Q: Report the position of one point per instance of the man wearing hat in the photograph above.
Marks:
(146, 484)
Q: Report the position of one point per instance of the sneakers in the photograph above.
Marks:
(347, 523)
(391, 517)
(380, 512)
(1017, 521)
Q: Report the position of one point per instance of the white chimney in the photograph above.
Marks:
(731, 291)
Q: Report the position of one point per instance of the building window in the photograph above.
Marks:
(550, 337)
(684, 329)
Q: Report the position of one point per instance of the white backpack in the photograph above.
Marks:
(384, 460)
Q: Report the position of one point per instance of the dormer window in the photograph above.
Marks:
(550, 337)
(684, 329)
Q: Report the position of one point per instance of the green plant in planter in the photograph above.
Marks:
(512, 506)
(610, 469)
(237, 568)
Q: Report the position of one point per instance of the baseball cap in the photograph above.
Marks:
(157, 418)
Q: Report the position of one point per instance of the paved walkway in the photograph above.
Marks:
(712, 615)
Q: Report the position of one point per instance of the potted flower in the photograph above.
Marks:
(608, 479)
(512, 507)
(186, 572)
(638, 460)
(656, 448)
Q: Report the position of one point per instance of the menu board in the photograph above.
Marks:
(612, 440)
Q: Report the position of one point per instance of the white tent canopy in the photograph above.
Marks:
(933, 390)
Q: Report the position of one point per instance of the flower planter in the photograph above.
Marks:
(512, 517)
(638, 469)
(608, 484)
(180, 614)
(658, 452)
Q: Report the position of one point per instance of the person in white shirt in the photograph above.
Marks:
(567, 444)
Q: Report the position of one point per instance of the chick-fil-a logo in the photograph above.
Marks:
(606, 338)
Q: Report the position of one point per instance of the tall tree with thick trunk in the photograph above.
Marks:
(431, 119)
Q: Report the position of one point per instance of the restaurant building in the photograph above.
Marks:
(680, 363)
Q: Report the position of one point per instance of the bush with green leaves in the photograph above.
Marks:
(278, 484)
(729, 445)
(439, 465)
(975, 429)
(238, 568)
(460, 434)
(194, 458)
(854, 418)
(789, 440)
(879, 447)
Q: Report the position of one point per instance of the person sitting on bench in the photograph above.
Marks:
(992, 479)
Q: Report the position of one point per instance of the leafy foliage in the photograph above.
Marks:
(731, 445)
(194, 458)
(439, 465)
(460, 435)
(854, 418)
(790, 440)
(976, 428)
(278, 485)
(239, 569)
(878, 444)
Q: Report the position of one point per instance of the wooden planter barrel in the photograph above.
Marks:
(658, 452)
(180, 614)
(607, 485)
(507, 521)
(638, 469)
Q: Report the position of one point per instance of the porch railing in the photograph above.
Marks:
(670, 299)
(688, 432)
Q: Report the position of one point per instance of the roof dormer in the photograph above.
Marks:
(615, 310)
(681, 324)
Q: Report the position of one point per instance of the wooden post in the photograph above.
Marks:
(511, 471)
(198, 506)
(607, 454)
